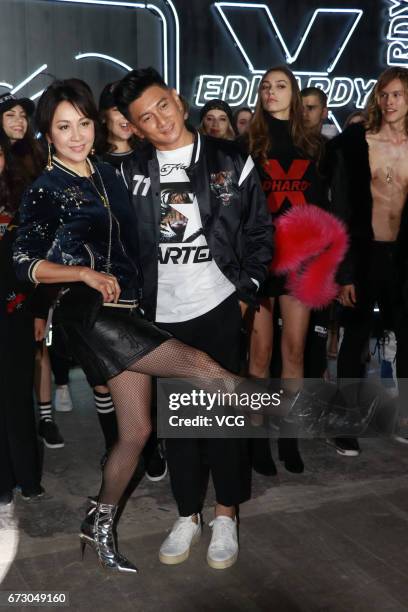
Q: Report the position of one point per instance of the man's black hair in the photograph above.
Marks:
(315, 91)
(133, 85)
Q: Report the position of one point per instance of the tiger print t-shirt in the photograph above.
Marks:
(190, 283)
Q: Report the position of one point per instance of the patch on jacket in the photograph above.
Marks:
(222, 186)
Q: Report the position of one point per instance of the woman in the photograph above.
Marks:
(19, 457)
(286, 156)
(217, 120)
(118, 142)
(26, 162)
(77, 228)
(242, 120)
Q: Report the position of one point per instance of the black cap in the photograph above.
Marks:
(217, 105)
(107, 99)
(7, 101)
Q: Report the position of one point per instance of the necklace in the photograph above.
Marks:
(105, 200)
(388, 176)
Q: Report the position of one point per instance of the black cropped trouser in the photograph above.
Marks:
(190, 461)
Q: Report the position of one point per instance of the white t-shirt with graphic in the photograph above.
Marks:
(190, 282)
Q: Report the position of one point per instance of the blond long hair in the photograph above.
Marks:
(374, 114)
(259, 136)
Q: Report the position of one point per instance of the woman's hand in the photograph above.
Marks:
(39, 329)
(106, 284)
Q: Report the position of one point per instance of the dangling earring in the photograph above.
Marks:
(49, 161)
(92, 151)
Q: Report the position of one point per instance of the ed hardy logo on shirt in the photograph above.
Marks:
(283, 185)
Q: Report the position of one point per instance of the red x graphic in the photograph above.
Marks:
(286, 184)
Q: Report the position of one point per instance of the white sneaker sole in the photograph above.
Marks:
(156, 478)
(222, 564)
(175, 559)
(48, 445)
(401, 439)
(343, 453)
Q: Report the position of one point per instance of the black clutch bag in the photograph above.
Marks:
(70, 302)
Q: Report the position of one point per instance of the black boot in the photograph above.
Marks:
(290, 456)
(262, 461)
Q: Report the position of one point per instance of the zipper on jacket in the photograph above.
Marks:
(91, 256)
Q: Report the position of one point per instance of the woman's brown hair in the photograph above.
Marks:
(259, 136)
(374, 120)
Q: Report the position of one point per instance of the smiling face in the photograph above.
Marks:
(217, 124)
(15, 123)
(158, 116)
(118, 127)
(72, 135)
(276, 94)
(392, 100)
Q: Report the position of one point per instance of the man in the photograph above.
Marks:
(205, 242)
(369, 191)
(315, 111)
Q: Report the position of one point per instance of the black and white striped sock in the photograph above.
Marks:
(107, 417)
(45, 409)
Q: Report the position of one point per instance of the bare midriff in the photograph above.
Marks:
(389, 184)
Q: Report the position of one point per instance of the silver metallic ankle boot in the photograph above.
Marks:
(97, 532)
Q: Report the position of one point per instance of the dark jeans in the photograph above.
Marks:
(218, 333)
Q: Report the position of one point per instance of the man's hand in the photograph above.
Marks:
(347, 296)
(39, 329)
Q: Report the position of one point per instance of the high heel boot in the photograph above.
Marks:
(97, 531)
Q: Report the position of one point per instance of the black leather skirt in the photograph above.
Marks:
(119, 338)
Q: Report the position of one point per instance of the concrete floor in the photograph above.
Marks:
(332, 539)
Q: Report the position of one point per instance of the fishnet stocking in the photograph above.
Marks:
(131, 393)
(174, 359)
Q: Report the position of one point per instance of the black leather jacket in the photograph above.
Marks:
(63, 220)
(235, 219)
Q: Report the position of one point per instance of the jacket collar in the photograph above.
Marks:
(57, 163)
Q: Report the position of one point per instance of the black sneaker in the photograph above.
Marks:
(348, 447)
(29, 494)
(49, 433)
(156, 468)
(6, 498)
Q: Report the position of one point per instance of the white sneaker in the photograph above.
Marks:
(176, 547)
(223, 548)
(62, 401)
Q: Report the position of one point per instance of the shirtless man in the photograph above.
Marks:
(369, 191)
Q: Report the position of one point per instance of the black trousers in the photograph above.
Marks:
(190, 461)
(380, 284)
(19, 453)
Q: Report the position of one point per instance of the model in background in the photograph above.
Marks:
(217, 120)
(369, 191)
(242, 120)
(285, 154)
(19, 456)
